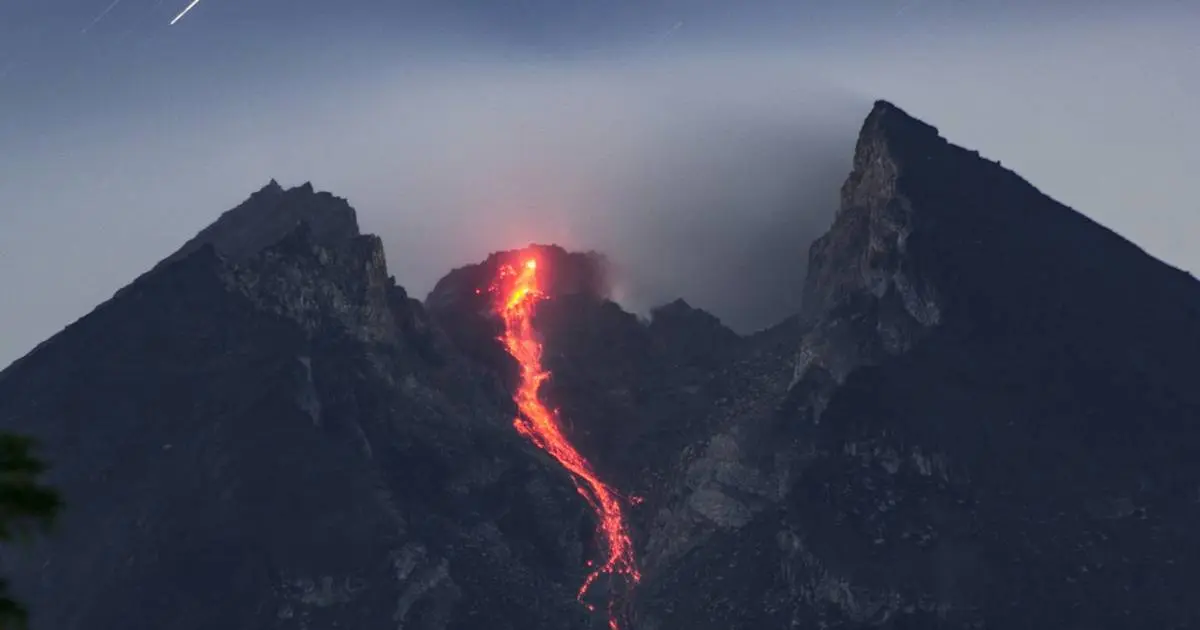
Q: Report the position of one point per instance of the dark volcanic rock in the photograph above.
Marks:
(562, 273)
(266, 444)
(983, 418)
(269, 215)
(465, 308)
(989, 422)
(628, 389)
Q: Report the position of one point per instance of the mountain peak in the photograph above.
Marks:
(269, 215)
(930, 233)
(565, 273)
(985, 418)
(271, 188)
(889, 122)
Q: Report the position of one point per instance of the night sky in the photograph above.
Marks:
(699, 143)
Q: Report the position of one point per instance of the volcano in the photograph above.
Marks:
(984, 416)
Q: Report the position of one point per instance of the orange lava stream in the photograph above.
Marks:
(518, 292)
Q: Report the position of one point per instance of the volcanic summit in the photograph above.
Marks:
(984, 417)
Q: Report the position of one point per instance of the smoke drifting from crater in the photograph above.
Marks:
(704, 176)
(701, 158)
(706, 181)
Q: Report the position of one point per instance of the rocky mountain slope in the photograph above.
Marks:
(982, 419)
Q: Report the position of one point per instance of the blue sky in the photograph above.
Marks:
(683, 137)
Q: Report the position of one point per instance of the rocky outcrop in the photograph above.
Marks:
(986, 422)
(273, 439)
(271, 214)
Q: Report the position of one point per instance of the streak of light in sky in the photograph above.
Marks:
(103, 13)
(184, 11)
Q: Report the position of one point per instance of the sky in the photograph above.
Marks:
(699, 143)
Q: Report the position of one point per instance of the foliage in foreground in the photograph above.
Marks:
(26, 508)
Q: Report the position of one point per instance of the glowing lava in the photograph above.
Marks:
(518, 291)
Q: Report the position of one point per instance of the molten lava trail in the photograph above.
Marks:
(518, 291)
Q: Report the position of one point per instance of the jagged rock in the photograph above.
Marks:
(269, 215)
(983, 418)
(988, 422)
(262, 441)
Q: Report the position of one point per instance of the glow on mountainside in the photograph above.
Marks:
(518, 291)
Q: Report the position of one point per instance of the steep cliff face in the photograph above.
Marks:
(983, 418)
(988, 422)
(277, 439)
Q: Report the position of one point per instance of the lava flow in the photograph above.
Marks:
(518, 290)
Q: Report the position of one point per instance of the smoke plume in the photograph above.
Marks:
(706, 181)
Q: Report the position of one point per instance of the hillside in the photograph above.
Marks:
(984, 417)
